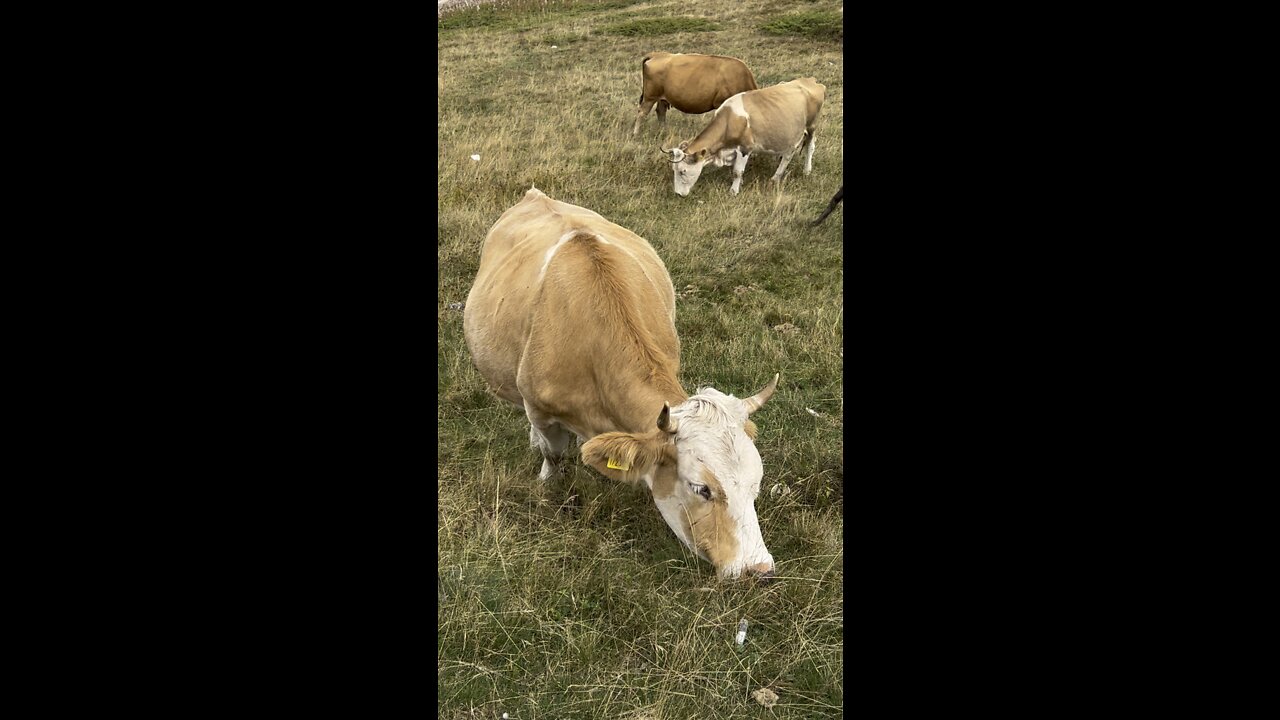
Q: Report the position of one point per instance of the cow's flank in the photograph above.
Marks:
(689, 82)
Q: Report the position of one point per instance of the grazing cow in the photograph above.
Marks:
(777, 120)
(572, 319)
(835, 200)
(690, 83)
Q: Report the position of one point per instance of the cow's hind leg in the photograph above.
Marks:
(808, 153)
(782, 166)
(662, 112)
(552, 439)
(645, 106)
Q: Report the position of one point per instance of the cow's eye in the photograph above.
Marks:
(703, 490)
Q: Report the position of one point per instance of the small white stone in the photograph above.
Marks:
(475, 157)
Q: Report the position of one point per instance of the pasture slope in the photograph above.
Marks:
(572, 598)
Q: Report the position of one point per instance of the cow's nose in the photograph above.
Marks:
(762, 571)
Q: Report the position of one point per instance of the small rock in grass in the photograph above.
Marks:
(765, 697)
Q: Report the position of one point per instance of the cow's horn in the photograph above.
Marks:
(666, 423)
(755, 402)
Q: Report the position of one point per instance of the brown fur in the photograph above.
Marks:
(592, 343)
(639, 452)
(713, 529)
(689, 82)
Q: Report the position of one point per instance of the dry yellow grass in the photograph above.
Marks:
(573, 598)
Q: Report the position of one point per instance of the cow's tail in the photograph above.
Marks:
(643, 60)
(836, 200)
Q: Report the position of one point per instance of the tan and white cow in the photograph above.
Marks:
(572, 319)
(689, 82)
(776, 120)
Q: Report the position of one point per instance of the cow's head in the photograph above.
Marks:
(702, 465)
(687, 167)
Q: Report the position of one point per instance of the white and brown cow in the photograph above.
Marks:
(776, 120)
(572, 319)
(689, 82)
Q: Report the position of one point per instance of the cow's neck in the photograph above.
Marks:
(711, 138)
(637, 403)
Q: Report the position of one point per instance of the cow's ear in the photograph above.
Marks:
(625, 457)
(750, 428)
(684, 145)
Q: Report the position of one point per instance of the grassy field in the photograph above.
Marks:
(572, 598)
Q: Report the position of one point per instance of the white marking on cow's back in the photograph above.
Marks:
(551, 252)
(736, 107)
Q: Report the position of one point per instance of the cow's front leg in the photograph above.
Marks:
(808, 154)
(552, 439)
(739, 164)
(662, 112)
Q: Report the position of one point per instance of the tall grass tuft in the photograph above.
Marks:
(818, 24)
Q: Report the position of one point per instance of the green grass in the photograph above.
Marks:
(660, 26)
(820, 24)
(591, 608)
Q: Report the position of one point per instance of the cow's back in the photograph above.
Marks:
(817, 94)
(700, 83)
(536, 312)
(780, 114)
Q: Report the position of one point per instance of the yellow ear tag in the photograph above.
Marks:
(614, 465)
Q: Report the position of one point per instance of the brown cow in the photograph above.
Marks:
(572, 319)
(690, 83)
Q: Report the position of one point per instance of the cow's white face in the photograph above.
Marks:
(704, 470)
(687, 168)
